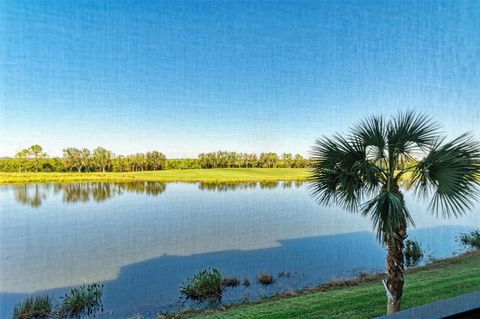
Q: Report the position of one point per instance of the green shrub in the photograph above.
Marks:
(206, 285)
(470, 240)
(34, 307)
(413, 253)
(83, 301)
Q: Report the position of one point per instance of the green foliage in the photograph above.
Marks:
(183, 163)
(83, 301)
(156, 160)
(29, 159)
(413, 252)
(370, 161)
(470, 240)
(72, 158)
(205, 286)
(268, 160)
(35, 307)
(33, 159)
(224, 159)
(102, 158)
(451, 173)
(28, 165)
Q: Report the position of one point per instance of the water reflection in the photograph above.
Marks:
(28, 195)
(231, 186)
(35, 194)
(143, 247)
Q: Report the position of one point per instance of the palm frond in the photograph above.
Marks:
(450, 173)
(408, 134)
(341, 174)
(371, 134)
(388, 212)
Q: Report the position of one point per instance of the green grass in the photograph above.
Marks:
(188, 175)
(440, 280)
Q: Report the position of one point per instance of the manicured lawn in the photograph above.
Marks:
(441, 280)
(190, 175)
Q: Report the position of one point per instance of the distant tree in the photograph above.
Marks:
(202, 160)
(222, 159)
(120, 164)
(156, 160)
(299, 161)
(242, 159)
(233, 159)
(252, 160)
(22, 157)
(138, 162)
(102, 158)
(36, 152)
(287, 159)
(72, 158)
(85, 159)
(268, 160)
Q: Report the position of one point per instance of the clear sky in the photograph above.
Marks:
(191, 77)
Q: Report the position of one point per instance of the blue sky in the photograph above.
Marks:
(191, 77)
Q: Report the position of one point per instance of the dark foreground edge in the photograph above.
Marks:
(465, 306)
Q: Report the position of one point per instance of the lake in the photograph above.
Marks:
(142, 240)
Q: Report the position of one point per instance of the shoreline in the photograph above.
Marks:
(368, 286)
(213, 175)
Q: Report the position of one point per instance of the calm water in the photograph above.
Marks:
(143, 239)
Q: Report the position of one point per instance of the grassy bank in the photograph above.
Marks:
(190, 175)
(366, 298)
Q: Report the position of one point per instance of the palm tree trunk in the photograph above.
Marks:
(395, 270)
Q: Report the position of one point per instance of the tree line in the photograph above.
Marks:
(223, 159)
(34, 159)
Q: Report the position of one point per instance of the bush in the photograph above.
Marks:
(86, 300)
(413, 253)
(206, 285)
(265, 278)
(34, 307)
(470, 240)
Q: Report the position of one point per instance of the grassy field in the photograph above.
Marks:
(440, 280)
(190, 175)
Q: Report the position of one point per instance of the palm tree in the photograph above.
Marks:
(361, 173)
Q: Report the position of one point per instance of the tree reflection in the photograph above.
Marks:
(231, 186)
(28, 194)
(34, 195)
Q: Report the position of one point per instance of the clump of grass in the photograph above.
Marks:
(85, 300)
(34, 307)
(205, 286)
(342, 282)
(470, 240)
(265, 278)
(361, 273)
(413, 253)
